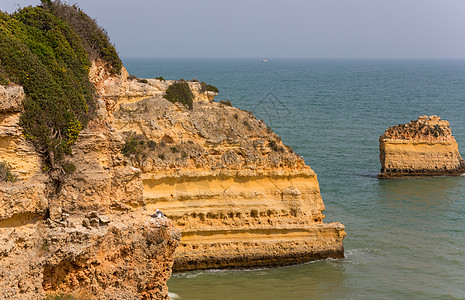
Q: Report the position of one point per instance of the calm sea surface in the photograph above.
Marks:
(406, 237)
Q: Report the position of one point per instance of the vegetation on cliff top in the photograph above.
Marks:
(180, 92)
(48, 50)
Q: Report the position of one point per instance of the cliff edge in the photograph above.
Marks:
(240, 197)
(89, 153)
(77, 240)
(423, 147)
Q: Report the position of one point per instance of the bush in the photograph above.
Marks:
(226, 102)
(44, 55)
(94, 38)
(3, 77)
(273, 145)
(137, 147)
(160, 78)
(69, 167)
(134, 77)
(5, 172)
(208, 88)
(180, 92)
(47, 49)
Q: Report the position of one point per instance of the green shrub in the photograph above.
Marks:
(47, 49)
(137, 147)
(5, 172)
(4, 81)
(69, 167)
(273, 145)
(94, 38)
(226, 102)
(134, 77)
(180, 92)
(3, 77)
(208, 88)
(160, 78)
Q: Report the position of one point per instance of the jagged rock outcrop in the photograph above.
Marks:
(423, 147)
(125, 257)
(118, 252)
(240, 197)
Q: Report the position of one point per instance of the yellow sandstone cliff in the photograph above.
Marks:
(239, 196)
(423, 147)
(84, 238)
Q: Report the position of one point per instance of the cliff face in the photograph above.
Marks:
(240, 197)
(424, 147)
(95, 245)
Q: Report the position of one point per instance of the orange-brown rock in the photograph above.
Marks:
(117, 252)
(240, 197)
(116, 257)
(423, 147)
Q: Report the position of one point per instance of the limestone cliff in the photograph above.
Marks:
(240, 197)
(94, 245)
(423, 147)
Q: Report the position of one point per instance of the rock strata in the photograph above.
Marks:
(240, 197)
(423, 147)
(131, 258)
(98, 241)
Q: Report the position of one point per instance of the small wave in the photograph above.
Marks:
(174, 296)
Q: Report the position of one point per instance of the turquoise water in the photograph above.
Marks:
(406, 237)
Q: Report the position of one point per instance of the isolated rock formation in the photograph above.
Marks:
(424, 147)
(240, 197)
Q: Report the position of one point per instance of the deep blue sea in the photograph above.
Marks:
(405, 237)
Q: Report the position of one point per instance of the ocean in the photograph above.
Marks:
(405, 237)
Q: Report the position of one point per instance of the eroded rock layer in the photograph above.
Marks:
(423, 147)
(49, 242)
(114, 258)
(240, 197)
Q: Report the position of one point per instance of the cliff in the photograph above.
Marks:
(92, 246)
(239, 196)
(88, 153)
(423, 147)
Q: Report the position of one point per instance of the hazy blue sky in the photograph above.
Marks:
(270, 28)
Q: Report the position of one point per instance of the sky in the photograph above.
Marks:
(269, 28)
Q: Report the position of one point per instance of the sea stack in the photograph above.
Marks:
(423, 147)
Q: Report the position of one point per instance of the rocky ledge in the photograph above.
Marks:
(240, 197)
(84, 240)
(423, 147)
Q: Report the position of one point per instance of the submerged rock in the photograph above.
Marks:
(423, 147)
